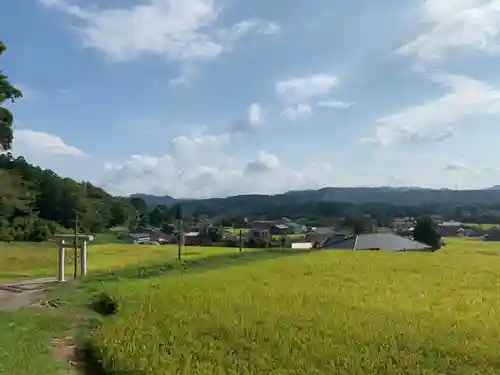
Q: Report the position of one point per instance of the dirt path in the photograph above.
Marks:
(16, 295)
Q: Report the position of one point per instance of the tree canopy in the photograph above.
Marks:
(7, 93)
(35, 203)
(426, 232)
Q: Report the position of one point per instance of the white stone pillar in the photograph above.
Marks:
(83, 258)
(60, 265)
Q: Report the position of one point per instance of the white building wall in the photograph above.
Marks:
(302, 245)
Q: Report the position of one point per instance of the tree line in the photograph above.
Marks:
(35, 203)
(319, 213)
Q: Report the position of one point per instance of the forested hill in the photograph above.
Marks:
(324, 206)
(354, 195)
(35, 203)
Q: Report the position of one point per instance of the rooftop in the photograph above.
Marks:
(387, 241)
(322, 231)
(380, 241)
(450, 224)
(281, 226)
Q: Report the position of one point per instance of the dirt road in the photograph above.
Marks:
(16, 295)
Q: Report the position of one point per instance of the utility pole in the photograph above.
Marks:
(178, 216)
(181, 239)
(241, 240)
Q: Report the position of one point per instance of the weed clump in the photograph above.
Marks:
(104, 304)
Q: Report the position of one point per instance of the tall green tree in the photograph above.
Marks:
(160, 216)
(141, 210)
(426, 232)
(7, 93)
(358, 222)
(35, 203)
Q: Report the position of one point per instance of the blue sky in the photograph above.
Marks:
(199, 98)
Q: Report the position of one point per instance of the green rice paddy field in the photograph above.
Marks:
(324, 312)
(24, 260)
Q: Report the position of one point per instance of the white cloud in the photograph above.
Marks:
(436, 120)
(247, 27)
(265, 162)
(254, 113)
(198, 147)
(297, 111)
(304, 89)
(253, 121)
(210, 165)
(460, 167)
(301, 94)
(452, 24)
(332, 103)
(203, 166)
(30, 141)
(178, 30)
(457, 166)
(447, 133)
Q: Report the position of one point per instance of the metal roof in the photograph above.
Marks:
(347, 243)
(281, 226)
(323, 231)
(335, 239)
(379, 241)
(387, 241)
(450, 224)
(139, 235)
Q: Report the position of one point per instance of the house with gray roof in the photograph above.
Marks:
(278, 227)
(319, 235)
(335, 238)
(378, 241)
(402, 224)
(449, 228)
(145, 234)
(493, 234)
(137, 238)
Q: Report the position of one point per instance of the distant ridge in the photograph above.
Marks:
(154, 200)
(398, 196)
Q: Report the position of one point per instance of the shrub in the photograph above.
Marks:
(105, 304)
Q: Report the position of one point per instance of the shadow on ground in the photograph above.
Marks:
(197, 265)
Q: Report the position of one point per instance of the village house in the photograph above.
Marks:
(471, 232)
(256, 234)
(377, 241)
(279, 227)
(146, 234)
(449, 228)
(402, 224)
(492, 234)
(191, 239)
(335, 238)
(137, 238)
(319, 235)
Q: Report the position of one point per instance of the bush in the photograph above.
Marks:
(104, 304)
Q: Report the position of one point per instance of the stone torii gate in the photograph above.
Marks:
(67, 240)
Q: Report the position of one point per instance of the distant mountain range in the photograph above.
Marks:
(154, 200)
(399, 196)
